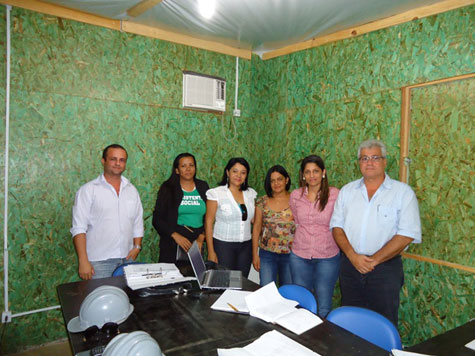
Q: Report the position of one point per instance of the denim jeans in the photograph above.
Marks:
(273, 264)
(377, 290)
(318, 275)
(104, 269)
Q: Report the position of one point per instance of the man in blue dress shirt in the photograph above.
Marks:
(374, 220)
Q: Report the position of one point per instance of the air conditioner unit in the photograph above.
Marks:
(202, 91)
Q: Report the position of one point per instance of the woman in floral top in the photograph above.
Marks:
(273, 229)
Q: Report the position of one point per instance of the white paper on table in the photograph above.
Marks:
(471, 345)
(406, 353)
(299, 321)
(153, 274)
(134, 285)
(267, 304)
(234, 297)
(273, 343)
(151, 270)
(234, 352)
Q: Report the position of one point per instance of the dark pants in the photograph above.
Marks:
(377, 290)
(234, 255)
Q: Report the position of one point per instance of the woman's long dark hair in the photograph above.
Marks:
(231, 163)
(279, 169)
(174, 178)
(324, 188)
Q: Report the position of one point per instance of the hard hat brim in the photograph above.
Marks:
(74, 325)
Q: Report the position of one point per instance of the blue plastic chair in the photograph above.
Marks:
(368, 325)
(300, 294)
(119, 271)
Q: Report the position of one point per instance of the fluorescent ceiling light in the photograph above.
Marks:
(206, 8)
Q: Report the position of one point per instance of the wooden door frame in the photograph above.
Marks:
(406, 109)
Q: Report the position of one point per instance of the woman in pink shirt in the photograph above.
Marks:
(315, 257)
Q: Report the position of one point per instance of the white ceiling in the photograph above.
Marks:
(258, 25)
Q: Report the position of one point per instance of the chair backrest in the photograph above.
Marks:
(368, 325)
(300, 294)
(119, 271)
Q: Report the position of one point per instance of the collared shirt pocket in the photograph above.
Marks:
(131, 207)
(387, 214)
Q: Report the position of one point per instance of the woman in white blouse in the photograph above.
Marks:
(229, 213)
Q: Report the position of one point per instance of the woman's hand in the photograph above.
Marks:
(256, 233)
(200, 241)
(181, 241)
(256, 262)
(211, 208)
(212, 256)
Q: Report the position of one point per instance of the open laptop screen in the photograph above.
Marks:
(197, 262)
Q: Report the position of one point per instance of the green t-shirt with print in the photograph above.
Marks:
(191, 210)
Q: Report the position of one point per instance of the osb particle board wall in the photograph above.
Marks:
(442, 122)
(76, 88)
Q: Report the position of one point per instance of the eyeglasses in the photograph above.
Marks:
(366, 159)
(95, 334)
(243, 211)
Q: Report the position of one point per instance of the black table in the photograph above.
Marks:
(183, 325)
(450, 343)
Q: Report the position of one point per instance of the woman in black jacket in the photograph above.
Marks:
(180, 209)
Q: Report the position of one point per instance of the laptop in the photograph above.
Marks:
(212, 279)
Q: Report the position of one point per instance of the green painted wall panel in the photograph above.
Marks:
(419, 51)
(332, 130)
(82, 60)
(442, 172)
(434, 299)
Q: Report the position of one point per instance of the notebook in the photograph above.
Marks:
(212, 279)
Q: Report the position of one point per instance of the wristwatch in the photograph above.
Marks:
(138, 247)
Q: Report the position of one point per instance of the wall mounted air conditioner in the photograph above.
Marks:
(202, 91)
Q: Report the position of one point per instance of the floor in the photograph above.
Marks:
(60, 348)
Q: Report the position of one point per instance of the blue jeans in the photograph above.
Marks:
(273, 263)
(104, 269)
(318, 275)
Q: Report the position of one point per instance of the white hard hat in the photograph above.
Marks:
(103, 305)
(137, 343)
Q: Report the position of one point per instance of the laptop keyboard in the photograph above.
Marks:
(219, 279)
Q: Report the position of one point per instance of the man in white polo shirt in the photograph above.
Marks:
(375, 218)
(107, 219)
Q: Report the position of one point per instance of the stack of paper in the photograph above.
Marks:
(153, 274)
(232, 301)
(267, 304)
(272, 343)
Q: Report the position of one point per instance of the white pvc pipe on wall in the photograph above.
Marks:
(7, 316)
(7, 133)
(237, 84)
